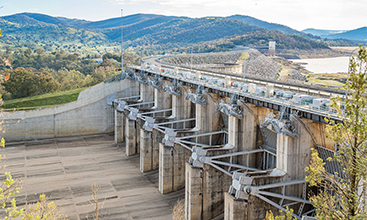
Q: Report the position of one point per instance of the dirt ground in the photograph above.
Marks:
(65, 168)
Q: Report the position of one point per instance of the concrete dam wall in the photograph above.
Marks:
(89, 114)
(236, 154)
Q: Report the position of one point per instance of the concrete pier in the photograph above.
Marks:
(149, 149)
(234, 208)
(193, 195)
(293, 155)
(182, 108)
(205, 191)
(131, 134)
(132, 127)
(146, 93)
(172, 162)
(149, 140)
(206, 187)
(206, 117)
(119, 127)
(134, 90)
(162, 100)
(252, 208)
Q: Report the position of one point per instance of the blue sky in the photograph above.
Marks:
(297, 14)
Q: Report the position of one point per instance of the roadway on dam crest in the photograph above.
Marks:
(65, 168)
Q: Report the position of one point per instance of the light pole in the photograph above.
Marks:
(191, 62)
(122, 43)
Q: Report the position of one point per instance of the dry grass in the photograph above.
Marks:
(345, 49)
(179, 210)
(335, 79)
(314, 53)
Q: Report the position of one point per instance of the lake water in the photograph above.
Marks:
(325, 65)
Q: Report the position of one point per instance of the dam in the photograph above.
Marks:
(237, 146)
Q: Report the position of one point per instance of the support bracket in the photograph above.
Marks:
(156, 82)
(197, 97)
(174, 89)
(149, 123)
(230, 108)
(134, 114)
(198, 157)
(169, 137)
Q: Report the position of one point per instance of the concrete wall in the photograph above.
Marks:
(319, 132)
(293, 155)
(89, 114)
(206, 117)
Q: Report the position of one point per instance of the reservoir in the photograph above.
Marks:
(325, 65)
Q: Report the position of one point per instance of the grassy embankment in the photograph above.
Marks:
(42, 101)
(331, 79)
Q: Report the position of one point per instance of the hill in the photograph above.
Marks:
(260, 39)
(321, 32)
(33, 19)
(38, 30)
(359, 34)
(182, 30)
(142, 32)
(267, 25)
(127, 21)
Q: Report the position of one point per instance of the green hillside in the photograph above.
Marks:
(42, 101)
(38, 32)
(143, 33)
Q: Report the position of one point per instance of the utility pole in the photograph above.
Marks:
(122, 43)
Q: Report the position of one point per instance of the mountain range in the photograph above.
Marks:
(359, 34)
(151, 32)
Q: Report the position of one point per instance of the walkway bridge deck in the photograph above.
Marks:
(271, 102)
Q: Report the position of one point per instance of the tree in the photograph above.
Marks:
(8, 188)
(343, 195)
(25, 82)
(43, 209)
(287, 216)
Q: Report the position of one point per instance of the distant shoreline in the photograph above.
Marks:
(315, 53)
